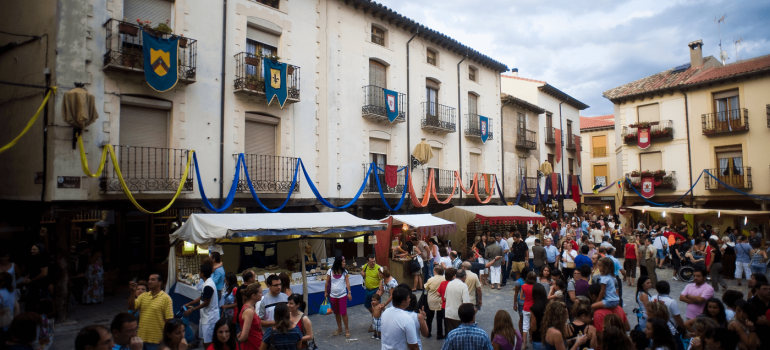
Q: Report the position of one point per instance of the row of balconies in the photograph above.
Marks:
(550, 139)
(726, 122)
(736, 177)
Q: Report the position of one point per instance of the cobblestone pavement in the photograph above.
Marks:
(359, 318)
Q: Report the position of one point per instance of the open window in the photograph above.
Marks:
(730, 165)
(472, 73)
(378, 35)
(727, 109)
(378, 154)
(432, 57)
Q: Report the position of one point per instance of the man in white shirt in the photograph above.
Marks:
(530, 241)
(456, 294)
(596, 234)
(506, 264)
(474, 286)
(208, 306)
(661, 244)
(398, 327)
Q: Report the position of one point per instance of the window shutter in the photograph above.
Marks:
(431, 84)
(649, 113)
(377, 74)
(726, 94)
(155, 11)
(473, 104)
(435, 162)
(378, 146)
(143, 127)
(651, 161)
(475, 160)
(260, 138)
(263, 37)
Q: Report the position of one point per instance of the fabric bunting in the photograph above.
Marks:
(160, 61)
(254, 193)
(490, 192)
(327, 203)
(403, 193)
(557, 134)
(230, 195)
(31, 122)
(454, 188)
(577, 148)
(426, 196)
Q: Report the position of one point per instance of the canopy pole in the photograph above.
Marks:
(302, 244)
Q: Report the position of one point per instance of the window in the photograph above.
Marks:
(522, 170)
(155, 11)
(649, 113)
(569, 130)
(472, 73)
(600, 175)
(271, 3)
(475, 161)
(377, 74)
(378, 154)
(552, 159)
(378, 36)
(521, 124)
(599, 144)
(145, 131)
(431, 94)
(651, 161)
(259, 42)
(571, 166)
(730, 162)
(549, 120)
(727, 110)
(434, 163)
(473, 104)
(260, 134)
(432, 57)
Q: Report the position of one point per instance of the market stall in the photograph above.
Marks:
(249, 240)
(472, 220)
(424, 225)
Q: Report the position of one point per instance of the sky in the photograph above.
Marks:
(587, 47)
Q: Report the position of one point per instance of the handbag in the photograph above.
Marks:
(570, 264)
(310, 343)
(325, 308)
(422, 304)
(414, 266)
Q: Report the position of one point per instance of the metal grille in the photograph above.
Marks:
(375, 105)
(482, 183)
(531, 183)
(378, 37)
(268, 174)
(444, 179)
(663, 180)
(473, 129)
(600, 152)
(662, 131)
(123, 44)
(730, 121)
(736, 177)
(371, 186)
(550, 135)
(525, 138)
(250, 78)
(438, 117)
(148, 169)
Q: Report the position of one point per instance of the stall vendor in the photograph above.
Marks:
(310, 260)
(398, 251)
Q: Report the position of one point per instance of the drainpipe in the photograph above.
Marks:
(459, 123)
(222, 107)
(689, 154)
(408, 112)
(502, 142)
(563, 155)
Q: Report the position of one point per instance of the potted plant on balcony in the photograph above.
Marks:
(254, 81)
(647, 173)
(182, 41)
(131, 56)
(667, 182)
(127, 28)
(252, 59)
(629, 138)
(635, 173)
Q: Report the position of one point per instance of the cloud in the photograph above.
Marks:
(587, 47)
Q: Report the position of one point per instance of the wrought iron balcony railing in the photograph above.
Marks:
(124, 50)
(598, 152)
(663, 130)
(663, 180)
(375, 106)
(473, 128)
(482, 183)
(437, 117)
(735, 177)
(268, 174)
(531, 183)
(250, 77)
(148, 169)
(432, 60)
(550, 135)
(379, 40)
(444, 179)
(526, 138)
(571, 142)
(732, 121)
(371, 185)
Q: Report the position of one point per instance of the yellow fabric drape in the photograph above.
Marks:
(423, 152)
(109, 149)
(31, 121)
(546, 168)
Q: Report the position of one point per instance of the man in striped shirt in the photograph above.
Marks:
(155, 306)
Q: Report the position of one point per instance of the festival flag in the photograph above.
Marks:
(484, 127)
(648, 187)
(391, 175)
(643, 133)
(275, 81)
(391, 104)
(557, 133)
(160, 61)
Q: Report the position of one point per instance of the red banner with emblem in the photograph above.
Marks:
(557, 136)
(576, 190)
(648, 187)
(643, 135)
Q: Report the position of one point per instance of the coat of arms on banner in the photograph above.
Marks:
(391, 104)
(648, 187)
(644, 137)
(275, 81)
(160, 61)
(484, 128)
(275, 78)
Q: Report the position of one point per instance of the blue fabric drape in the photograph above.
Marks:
(254, 193)
(323, 200)
(379, 188)
(230, 195)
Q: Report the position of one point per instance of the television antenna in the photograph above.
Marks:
(722, 53)
(736, 43)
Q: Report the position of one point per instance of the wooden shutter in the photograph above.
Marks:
(473, 101)
(475, 161)
(263, 37)
(726, 94)
(378, 146)
(651, 161)
(260, 138)
(155, 11)
(377, 74)
(435, 162)
(143, 127)
(649, 113)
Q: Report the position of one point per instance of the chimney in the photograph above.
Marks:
(515, 72)
(696, 53)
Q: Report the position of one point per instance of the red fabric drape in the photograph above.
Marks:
(391, 175)
(557, 133)
(426, 196)
(382, 248)
(577, 148)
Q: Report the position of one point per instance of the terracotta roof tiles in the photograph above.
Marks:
(601, 121)
(738, 68)
(663, 80)
(525, 79)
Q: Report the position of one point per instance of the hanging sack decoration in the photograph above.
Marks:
(79, 108)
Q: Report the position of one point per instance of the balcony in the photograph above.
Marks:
(726, 122)
(663, 180)
(371, 186)
(444, 180)
(123, 41)
(550, 136)
(148, 170)
(268, 174)
(250, 77)
(663, 130)
(473, 129)
(571, 143)
(531, 183)
(482, 183)
(735, 177)
(438, 118)
(526, 138)
(598, 152)
(374, 105)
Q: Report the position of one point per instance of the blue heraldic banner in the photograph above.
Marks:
(391, 104)
(275, 81)
(484, 128)
(160, 61)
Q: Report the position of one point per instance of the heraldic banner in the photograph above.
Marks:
(160, 61)
(643, 133)
(484, 128)
(275, 81)
(648, 187)
(391, 104)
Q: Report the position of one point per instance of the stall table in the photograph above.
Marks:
(399, 269)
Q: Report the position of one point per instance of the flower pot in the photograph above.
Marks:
(289, 69)
(254, 61)
(125, 28)
(183, 42)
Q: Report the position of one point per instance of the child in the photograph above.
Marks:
(519, 295)
(376, 314)
(608, 296)
(528, 301)
(557, 291)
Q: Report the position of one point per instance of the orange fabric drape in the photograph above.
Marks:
(454, 188)
(475, 179)
(426, 196)
(476, 193)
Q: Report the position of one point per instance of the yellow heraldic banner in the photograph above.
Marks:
(160, 61)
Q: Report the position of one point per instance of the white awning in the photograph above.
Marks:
(700, 211)
(503, 212)
(425, 224)
(205, 229)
